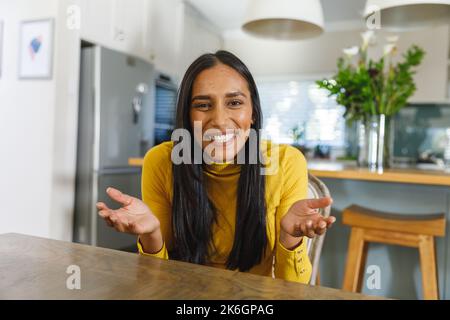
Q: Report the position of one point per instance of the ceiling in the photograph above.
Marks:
(229, 14)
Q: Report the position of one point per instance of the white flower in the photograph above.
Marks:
(350, 52)
(390, 49)
(368, 39)
(392, 39)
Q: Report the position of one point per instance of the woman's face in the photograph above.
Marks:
(221, 102)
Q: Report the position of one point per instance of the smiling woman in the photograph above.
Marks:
(222, 213)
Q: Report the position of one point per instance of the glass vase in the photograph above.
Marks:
(375, 142)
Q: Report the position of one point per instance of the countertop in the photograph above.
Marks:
(35, 268)
(397, 174)
(349, 170)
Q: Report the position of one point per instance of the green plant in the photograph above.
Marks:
(370, 87)
(297, 134)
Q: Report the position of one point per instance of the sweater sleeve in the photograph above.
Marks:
(292, 265)
(156, 193)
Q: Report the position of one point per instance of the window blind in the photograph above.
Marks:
(289, 104)
(165, 108)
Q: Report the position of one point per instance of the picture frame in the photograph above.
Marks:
(36, 49)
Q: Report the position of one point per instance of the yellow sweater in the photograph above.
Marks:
(287, 184)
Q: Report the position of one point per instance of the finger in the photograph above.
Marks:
(118, 196)
(319, 203)
(105, 213)
(320, 225)
(109, 222)
(117, 224)
(320, 232)
(330, 221)
(310, 229)
(122, 222)
(101, 206)
(303, 229)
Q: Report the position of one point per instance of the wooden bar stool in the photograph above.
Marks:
(416, 231)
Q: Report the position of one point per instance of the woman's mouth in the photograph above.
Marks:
(221, 138)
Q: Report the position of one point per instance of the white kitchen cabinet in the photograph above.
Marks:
(117, 24)
(96, 20)
(432, 75)
(166, 31)
(163, 32)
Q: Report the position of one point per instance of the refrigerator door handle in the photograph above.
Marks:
(137, 107)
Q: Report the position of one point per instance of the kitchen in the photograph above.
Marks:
(64, 145)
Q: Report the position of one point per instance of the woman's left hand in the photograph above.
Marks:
(304, 219)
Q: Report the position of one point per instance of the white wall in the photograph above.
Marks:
(319, 56)
(27, 116)
(198, 37)
(67, 66)
(38, 118)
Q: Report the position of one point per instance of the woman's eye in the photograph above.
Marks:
(201, 106)
(235, 103)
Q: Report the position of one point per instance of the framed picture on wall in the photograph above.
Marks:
(1, 47)
(36, 49)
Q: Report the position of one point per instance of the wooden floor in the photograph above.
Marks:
(35, 268)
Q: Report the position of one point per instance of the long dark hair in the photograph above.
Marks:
(193, 213)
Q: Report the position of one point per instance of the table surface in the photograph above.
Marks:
(347, 170)
(36, 268)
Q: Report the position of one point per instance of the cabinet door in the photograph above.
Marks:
(129, 25)
(166, 23)
(96, 21)
(117, 24)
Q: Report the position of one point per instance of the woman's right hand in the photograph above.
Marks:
(134, 216)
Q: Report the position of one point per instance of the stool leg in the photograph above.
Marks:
(318, 278)
(428, 268)
(356, 260)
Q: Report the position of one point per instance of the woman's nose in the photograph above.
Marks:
(219, 116)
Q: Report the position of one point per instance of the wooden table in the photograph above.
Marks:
(35, 268)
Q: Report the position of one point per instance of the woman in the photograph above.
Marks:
(218, 211)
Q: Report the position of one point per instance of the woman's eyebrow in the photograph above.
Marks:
(235, 94)
(201, 97)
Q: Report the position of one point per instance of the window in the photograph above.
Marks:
(165, 105)
(289, 104)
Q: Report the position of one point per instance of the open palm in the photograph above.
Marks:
(304, 219)
(134, 216)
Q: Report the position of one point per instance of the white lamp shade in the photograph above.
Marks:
(410, 14)
(284, 19)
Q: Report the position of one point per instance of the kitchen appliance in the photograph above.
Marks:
(115, 123)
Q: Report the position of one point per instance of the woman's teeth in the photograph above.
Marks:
(223, 138)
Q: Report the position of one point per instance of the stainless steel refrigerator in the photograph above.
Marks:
(115, 123)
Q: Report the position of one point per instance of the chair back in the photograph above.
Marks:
(316, 189)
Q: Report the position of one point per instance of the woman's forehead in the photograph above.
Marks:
(219, 79)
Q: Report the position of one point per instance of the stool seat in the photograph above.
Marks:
(432, 224)
(411, 230)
